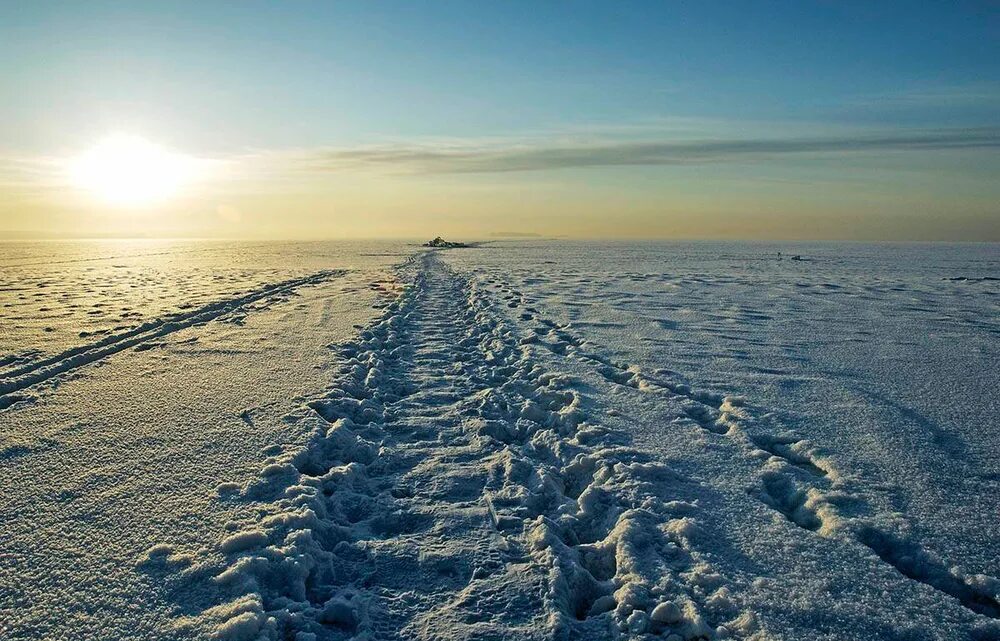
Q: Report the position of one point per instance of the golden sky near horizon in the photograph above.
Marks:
(187, 120)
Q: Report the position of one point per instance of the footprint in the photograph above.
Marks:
(781, 493)
(913, 562)
(791, 449)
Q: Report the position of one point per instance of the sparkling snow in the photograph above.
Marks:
(325, 441)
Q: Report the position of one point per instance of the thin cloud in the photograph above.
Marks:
(25, 171)
(539, 155)
(970, 95)
(495, 155)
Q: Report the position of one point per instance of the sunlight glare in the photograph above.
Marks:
(129, 170)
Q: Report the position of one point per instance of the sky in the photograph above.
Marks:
(764, 120)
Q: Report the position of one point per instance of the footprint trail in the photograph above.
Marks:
(796, 479)
(455, 486)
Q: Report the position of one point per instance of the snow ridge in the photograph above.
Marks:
(454, 487)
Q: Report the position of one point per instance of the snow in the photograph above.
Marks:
(858, 384)
(511, 441)
(108, 471)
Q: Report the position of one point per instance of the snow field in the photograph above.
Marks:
(454, 487)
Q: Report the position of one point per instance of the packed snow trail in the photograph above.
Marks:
(454, 488)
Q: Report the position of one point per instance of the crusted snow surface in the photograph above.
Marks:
(105, 457)
(849, 395)
(457, 485)
(524, 441)
(59, 298)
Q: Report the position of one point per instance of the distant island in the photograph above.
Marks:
(443, 244)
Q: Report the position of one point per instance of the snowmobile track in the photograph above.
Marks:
(35, 372)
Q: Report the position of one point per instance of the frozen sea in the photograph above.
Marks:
(519, 440)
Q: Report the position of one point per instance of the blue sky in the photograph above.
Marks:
(224, 79)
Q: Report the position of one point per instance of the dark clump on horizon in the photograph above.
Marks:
(444, 244)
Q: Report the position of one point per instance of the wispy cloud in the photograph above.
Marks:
(558, 151)
(969, 95)
(26, 171)
(458, 158)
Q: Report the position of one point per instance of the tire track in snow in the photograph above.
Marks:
(35, 372)
(201, 250)
(453, 487)
(797, 480)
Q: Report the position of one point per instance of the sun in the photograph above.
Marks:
(131, 171)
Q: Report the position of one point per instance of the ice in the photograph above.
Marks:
(518, 440)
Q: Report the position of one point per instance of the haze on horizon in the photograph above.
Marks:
(789, 120)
